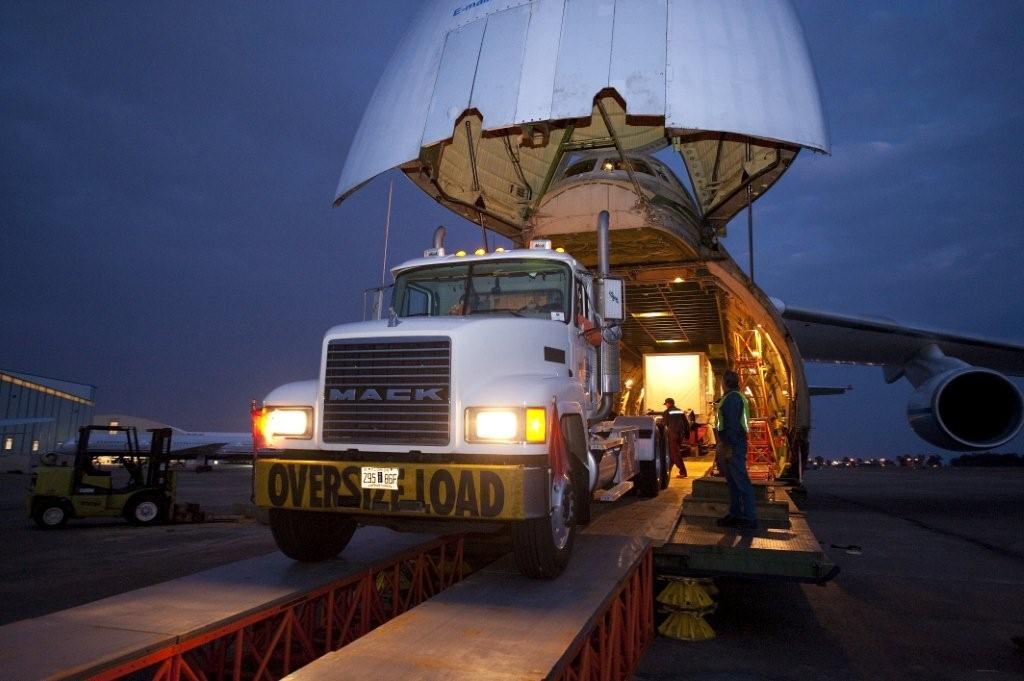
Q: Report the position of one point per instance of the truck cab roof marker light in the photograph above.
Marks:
(479, 251)
(460, 253)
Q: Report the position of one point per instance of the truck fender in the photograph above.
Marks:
(647, 426)
(297, 394)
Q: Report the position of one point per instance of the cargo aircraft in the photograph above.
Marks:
(529, 117)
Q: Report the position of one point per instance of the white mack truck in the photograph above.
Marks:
(483, 398)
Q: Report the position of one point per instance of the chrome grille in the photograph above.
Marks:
(382, 392)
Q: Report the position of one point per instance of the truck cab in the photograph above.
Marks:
(483, 398)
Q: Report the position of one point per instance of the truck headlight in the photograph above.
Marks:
(288, 421)
(512, 424)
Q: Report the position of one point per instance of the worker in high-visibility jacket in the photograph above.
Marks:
(731, 454)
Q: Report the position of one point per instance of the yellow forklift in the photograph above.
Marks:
(139, 486)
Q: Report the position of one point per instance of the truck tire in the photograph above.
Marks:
(666, 465)
(51, 514)
(648, 480)
(542, 546)
(310, 536)
(145, 509)
(581, 483)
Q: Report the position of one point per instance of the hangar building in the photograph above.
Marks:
(37, 414)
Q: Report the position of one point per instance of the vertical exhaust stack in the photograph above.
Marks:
(610, 384)
(437, 248)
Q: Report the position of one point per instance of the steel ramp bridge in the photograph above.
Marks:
(266, 617)
(406, 606)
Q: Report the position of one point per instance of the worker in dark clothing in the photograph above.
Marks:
(731, 457)
(676, 433)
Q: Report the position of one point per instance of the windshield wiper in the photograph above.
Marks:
(515, 313)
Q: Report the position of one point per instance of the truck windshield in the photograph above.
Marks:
(523, 288)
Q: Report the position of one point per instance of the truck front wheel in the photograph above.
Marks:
(542, 546)
(310, 536)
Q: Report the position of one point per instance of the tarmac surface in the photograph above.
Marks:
(42, 571)
(932, 587)
(932, 581)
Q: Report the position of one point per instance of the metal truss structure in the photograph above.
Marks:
(272, 643)
(619, 634)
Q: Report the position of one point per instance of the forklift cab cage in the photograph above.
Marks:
(145, 469)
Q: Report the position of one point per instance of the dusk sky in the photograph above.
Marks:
(167, 171)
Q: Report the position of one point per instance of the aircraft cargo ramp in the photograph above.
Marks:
(692, 545)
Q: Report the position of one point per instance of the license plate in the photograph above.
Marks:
(379, 478)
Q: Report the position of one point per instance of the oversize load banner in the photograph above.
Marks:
(435, 490)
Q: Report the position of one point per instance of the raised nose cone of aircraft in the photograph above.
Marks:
(483, 99)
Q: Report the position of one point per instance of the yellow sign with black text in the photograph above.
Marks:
(436, 490)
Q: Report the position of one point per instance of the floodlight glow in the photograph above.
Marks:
(497, 425)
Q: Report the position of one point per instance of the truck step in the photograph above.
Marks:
(615, 492)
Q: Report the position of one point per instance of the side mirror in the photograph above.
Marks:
(614, 301)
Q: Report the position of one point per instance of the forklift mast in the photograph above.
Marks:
(159, 455)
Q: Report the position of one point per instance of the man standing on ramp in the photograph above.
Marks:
(731, 456)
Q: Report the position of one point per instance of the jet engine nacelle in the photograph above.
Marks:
(966, 408)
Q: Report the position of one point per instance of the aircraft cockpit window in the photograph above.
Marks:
(579, 168)
(638, 166)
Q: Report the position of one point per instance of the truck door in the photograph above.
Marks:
(585, 355)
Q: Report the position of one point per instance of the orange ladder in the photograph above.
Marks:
(760, 451)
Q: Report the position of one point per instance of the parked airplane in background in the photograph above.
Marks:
(199, 449)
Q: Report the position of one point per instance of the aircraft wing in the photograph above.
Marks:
(828, 337)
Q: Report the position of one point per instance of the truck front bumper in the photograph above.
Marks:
(477, 491)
